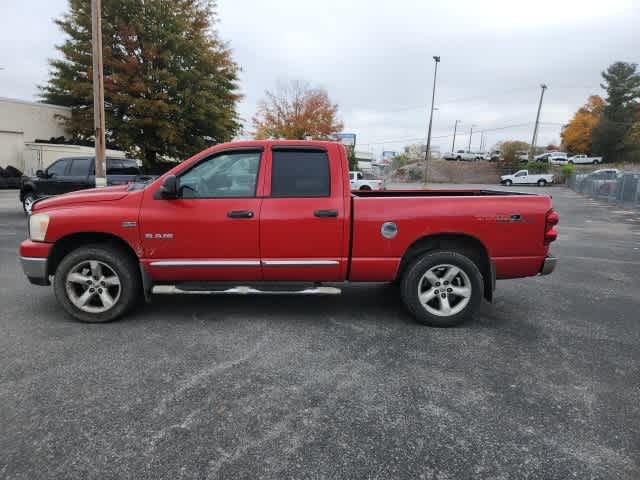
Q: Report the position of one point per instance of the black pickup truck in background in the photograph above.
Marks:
(76, 173)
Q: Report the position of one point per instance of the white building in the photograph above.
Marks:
(22, 122)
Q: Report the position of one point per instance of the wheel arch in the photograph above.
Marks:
(67, 244)
(26, 188)
(458, 242)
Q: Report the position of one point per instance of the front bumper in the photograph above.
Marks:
(33, 257)
(548, 266)
(35, 269)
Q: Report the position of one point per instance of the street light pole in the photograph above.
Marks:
(470, 135)
(98, 93)
(535, 128)
(436, 59)
(453, 144)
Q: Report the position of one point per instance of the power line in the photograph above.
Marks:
(484, 97)
(485, 130)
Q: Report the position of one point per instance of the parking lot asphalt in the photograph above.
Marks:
(544, 383)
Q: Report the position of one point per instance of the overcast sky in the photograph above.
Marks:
(375, 59)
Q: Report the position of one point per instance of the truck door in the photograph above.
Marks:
(79, 174)
(56, 176)
(302, 220)
(211, 231)
(521, 177)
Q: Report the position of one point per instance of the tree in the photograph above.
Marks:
(632, 138)
(576, 135)
(511, 148)
(622, 84)
(170, 82)
(296, 111)
(353, 160)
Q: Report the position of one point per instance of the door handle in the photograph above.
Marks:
(326, 213)
(240, 214)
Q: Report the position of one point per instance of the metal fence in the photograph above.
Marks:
(624, 189)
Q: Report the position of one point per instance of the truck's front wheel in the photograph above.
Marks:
(27, 201)
(97, 283)
(442, 288)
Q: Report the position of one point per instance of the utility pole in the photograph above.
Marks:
(535, 128)
(470, 135)
(482, 141)
(453, 144)
(98, 93)
(436, 59)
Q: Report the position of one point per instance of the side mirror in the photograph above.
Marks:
(40, 174)
(169, 189)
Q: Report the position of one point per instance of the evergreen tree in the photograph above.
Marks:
(170, 82)
(622, 84)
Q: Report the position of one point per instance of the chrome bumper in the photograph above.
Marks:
(35, 269)
(548, 266)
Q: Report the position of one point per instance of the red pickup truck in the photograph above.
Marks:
(279, 216)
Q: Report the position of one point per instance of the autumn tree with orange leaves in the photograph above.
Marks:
(295, 110)
(576, 135)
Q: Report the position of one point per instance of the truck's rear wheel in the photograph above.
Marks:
(442, 288)
(542, 182)
(508, 183)
(365, 187)
(97, 283)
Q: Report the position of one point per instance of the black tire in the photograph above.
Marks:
(458, 158)
(413, 279)
(596, 162)
(28, 200)
(508, 183)
(365, 187)
(119, 262)
(571, 162)
(542, 182)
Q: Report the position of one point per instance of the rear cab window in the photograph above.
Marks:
(80, 167)
(300, 173)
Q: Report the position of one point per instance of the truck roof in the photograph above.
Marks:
(284, 143)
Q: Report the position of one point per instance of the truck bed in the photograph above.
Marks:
(509, 225)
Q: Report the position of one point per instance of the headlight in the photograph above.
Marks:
(38, 225)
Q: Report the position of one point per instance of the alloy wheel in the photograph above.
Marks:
(93, 286)
(444, 290)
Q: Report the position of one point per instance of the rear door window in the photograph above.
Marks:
(300, 173)
(80, 167)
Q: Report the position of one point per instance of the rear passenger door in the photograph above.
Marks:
(78, 174)
(302, 220)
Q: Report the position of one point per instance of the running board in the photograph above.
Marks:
(243, 290)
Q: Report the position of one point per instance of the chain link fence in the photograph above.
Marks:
(622, 188)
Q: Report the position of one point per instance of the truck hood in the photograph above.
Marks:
(104, 194)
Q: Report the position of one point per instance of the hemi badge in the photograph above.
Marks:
(129, 224)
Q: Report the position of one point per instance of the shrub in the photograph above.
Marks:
(415, 175)
(538, 167)
(567, 169)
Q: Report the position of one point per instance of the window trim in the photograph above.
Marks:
(294, 148)
(226, 151)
